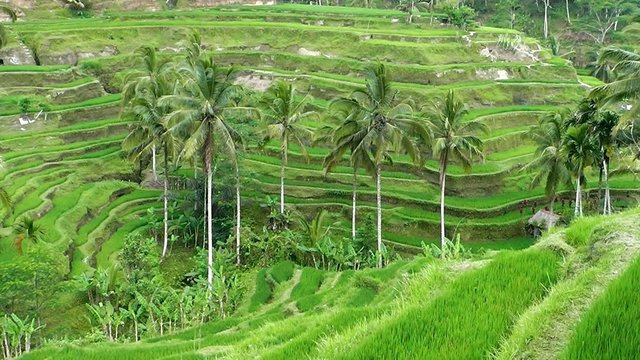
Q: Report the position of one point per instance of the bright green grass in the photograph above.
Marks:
(310, 282)
(57, 131)
(610, 329)
(116, 241)
(107, 99)
(471, 316)
(33, 68)
(262, 293)
(590, 80)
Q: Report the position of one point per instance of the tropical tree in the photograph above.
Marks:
(549, 163)
(411, 7)
(27, 229)
(150, 129)
(200, 118)
(602, 129)
(153, 77)
(579, 147)
(452, 139)
(626, 87)
(389, 128)
(283, 112)
(600, 68)
(346, 137)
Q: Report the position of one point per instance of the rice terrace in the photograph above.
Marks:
(325, 179)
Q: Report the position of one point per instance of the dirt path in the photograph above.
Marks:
(295, 279)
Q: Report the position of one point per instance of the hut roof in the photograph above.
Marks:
(544, 217)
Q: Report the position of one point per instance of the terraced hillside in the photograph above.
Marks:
(545, 302)
(322, 49)
(63, 167)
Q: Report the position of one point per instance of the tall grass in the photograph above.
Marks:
(310, 282)
(282, 271)
(262, 293)
(611, 328)
(470, 317)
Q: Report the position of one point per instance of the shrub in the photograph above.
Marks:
(282, 271)
(367, 282)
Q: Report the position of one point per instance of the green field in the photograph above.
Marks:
(67, 171)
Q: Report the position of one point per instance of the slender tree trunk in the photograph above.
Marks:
(237, 214)
(443, 178)
(282, 165)
(204, 208)
(568, 13)
(353, 209)
(577, 212)
(165, 196)
(153, 162)
(135, 329)
(546, 18)
(431, 11)
(607, 194)
(208, 160)
(600, 183)
(379, 206)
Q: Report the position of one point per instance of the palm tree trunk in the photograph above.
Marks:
(607, 194)
(208, 153)
(431, 11)
(600, 183)
(237, 214)
(443, 177)
(578, 209)
(282, 165)
(566, 2)
(379, 205)
(165, 196)
(546, 18)
(353, 209)
(153, 162)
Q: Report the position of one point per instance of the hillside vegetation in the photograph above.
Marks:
(123, 133)
(536, 303)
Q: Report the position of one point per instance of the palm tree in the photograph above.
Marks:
(602, 128)
(626, 87)
(283, 113)
(412, 6)
(151, 131)
(151, 78)
(27, 229)
(549, 163)
(200, 117)
(453, 139)
(345, 137)
(389, 128)
(579, 148)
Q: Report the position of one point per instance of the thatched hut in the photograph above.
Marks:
(542, 220)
